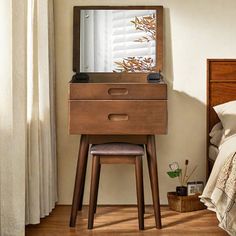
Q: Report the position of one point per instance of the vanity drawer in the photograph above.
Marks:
(96, 91)
(117, 117)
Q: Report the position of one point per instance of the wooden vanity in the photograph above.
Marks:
(130, 114)
(117, 107)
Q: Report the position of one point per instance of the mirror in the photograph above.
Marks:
(118, 39)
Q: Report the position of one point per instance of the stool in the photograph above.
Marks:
(116, 153)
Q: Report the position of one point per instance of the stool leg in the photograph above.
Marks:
(143, 202)
(93, 188)
(82, 159)
(152, 166)
(98, 180)
(140, 194)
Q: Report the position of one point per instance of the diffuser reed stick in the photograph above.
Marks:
(185, 172)
(191, 173)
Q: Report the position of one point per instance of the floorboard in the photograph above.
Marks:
(122, 220)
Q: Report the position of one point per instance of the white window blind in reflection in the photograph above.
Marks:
(108, 36)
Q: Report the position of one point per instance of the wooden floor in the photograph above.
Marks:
(122, 220)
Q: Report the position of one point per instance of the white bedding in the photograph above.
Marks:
(219, 194)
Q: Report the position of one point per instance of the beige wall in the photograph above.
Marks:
(194, 31)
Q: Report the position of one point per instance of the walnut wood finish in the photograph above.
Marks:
(96, 168)
(117, 91)
(152, 166)
(159, 32)
(140, 193)
(140, 117)
(224, 69)
(81, 197)
(133, 139)
(160, 41)
(117, 107)
(117, 78)
(79, 179)
(129, 108)
(117, 160)
(93, 190)
(97, 187)
(148, 117)
(76, 37)
(221, 88)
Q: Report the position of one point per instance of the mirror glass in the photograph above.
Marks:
(117, 40)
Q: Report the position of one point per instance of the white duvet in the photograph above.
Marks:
(219, 194)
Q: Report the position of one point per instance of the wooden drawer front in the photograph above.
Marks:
(90, 91)
(118, 117)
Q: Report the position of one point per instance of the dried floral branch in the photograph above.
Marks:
(135, 64)
(146, 24)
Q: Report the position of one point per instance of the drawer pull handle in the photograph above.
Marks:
(118, 117)
(118, 91)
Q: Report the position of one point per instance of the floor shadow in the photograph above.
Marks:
(115, 222)
(101, 210)
(169, 215)
(185, 219)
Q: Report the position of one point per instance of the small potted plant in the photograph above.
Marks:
(183, 176)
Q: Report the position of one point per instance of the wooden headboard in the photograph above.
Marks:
(221, 88)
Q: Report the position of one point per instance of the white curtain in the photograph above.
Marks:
(41, 139)
(95, 41)
(28, 188)
(12, 116)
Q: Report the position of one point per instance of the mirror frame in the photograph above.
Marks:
(159, 38)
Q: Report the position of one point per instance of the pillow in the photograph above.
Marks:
(227, 115)
(217, 134)
(216, 128)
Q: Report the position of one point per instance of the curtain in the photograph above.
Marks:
(41, 173)
(95, 41)
(28, 188)
(12, 116)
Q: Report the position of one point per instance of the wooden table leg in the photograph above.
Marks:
(81, 168)
(152, 166)
(81, 193)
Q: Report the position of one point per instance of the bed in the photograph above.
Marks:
(219, 194)
(221, 88)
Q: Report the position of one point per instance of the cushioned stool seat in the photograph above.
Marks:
(119, 149)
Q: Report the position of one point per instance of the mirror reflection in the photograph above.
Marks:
(117, 40)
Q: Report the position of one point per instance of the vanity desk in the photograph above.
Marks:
(117, 107)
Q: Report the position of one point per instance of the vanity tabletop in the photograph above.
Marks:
(119, 78)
